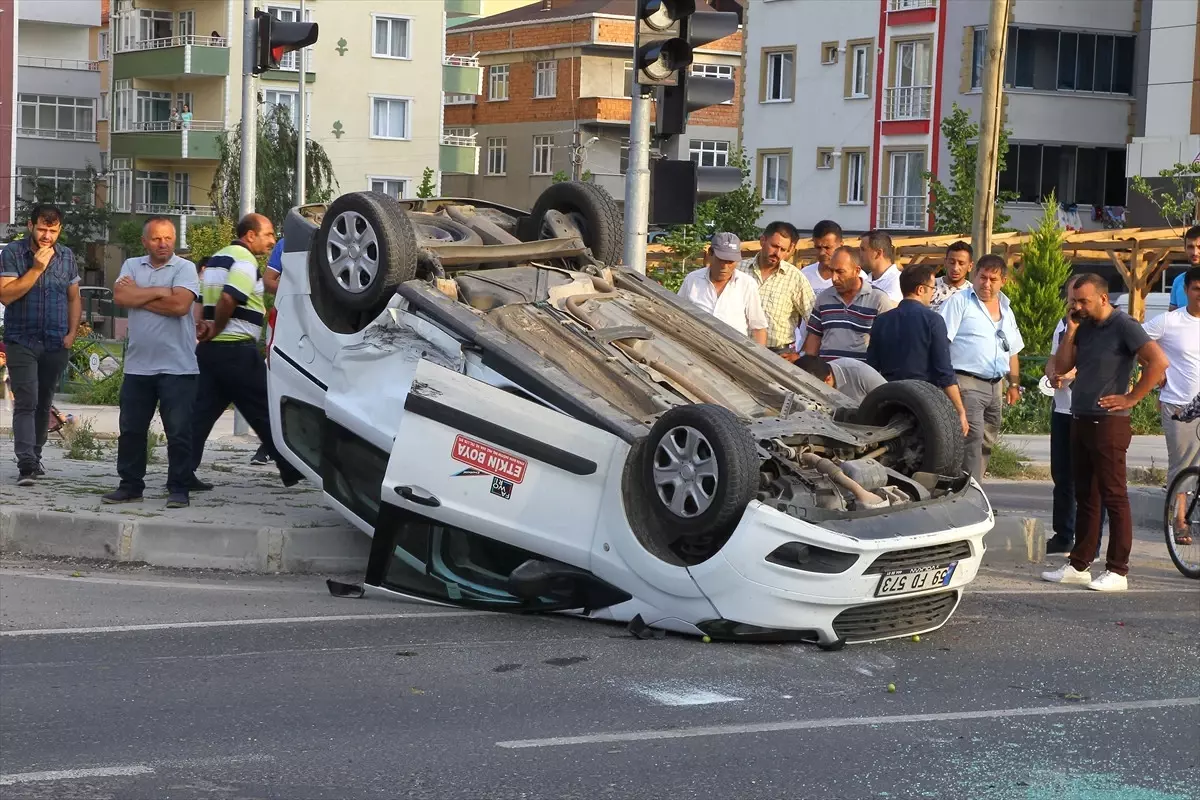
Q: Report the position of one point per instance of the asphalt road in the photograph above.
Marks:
(150, 684)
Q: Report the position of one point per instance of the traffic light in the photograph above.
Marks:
(692, 92)
(276, 39)
(660, 51)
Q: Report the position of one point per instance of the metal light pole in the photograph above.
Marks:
(249, 112)
(302, 133)
(637, 180)
(989, 130)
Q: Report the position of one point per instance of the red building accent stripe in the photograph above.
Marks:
(880, 68)
(938, 52)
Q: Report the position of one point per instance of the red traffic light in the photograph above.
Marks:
(276, 39)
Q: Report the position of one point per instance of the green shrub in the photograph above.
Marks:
(104, 392)
(82, 444)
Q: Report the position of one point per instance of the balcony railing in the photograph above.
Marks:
(459, 141)
(461, 61)
(906, 5)
(174, 41)
(168, 209)
(908, 102)
(58, 63)
(899, 212)
(44, 133)
(166, 126)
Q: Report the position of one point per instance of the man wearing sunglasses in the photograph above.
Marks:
(984, 343)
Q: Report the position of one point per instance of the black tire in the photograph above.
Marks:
(365, 249)
(938, 446)
(336, 317)
(721, 474)
(1186, 478)
(593, 210)
(438, 229)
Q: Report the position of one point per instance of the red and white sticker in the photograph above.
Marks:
(489, 459)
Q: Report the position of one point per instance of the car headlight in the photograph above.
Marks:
(811, 558)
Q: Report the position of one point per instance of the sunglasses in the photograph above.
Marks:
(1003, 340)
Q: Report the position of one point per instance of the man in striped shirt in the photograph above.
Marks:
(231, 368)
(840, 325)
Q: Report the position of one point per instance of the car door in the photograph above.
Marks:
(499, 465)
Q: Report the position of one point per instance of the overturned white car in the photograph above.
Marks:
(524, 426)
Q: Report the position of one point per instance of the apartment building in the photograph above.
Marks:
(373, 86)
(558, 75)
(57, 94)
(844, 112)
(460, 12)
(8, 111)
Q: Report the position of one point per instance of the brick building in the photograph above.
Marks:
(556, 84)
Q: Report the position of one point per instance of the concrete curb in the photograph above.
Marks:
(183, 544)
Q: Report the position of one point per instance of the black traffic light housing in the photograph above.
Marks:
(275, 39)
(661, 53)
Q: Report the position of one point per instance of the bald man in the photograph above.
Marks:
(231, 368)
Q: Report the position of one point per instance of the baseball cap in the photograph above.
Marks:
(727, 247)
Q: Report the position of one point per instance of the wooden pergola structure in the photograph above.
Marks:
(1140, 255)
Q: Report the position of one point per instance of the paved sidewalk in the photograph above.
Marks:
(1144, 451)
(106, 420)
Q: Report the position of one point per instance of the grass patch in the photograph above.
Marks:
(153, 441)
(82, 443)
(1007, 462)
(104, 392)
(1152, 475)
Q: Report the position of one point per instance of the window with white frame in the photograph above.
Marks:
(860, 61)
(121, 184)
(780, 82)
(543, 155)
(498, 82)
(391, 37)
(459, 133)
(182, 194)
(722, 71)
(775, 170)
(123, 107)
(288, 100)
(396, 188)
(153, 111)
(63, 182)
(459, 99)
(389, 117)
(545, 79)
(290, 61)
(187, 23)
(184, 99)
(151, 188)
(624, 159)
(103, 111)
(628, 84)
(709, 152)
(52, 117)
(497, 155)
(102, 46)
(856, 177)
(154, 24)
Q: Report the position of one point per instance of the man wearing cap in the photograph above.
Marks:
(724, 291)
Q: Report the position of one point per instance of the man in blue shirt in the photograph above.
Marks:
(39, 285)
(1191, 248)
(984, 343)
(910, 341)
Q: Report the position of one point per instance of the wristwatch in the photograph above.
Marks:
(1014, 380)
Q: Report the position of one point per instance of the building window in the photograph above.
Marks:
(155, 25)
(389, 117)
(391, 37)
(151, 191)
(459, 99)
(1066, 61)
(911, 93)
(497, 156)
(103, 110)
(290, 101)
(624, 158)
(1093, 176)
(121, 184)
(628, 79)
(829, 53)
(395, 188)
(722, 71)
(187, 25)
(779, 76)
(854, 177)
(543, 155)
(290, 61)
(709, 152)
(62, 183)
(458, 133)
(545, 79)
(50, 117)
(102, 46)
(860, 70)
(153, 111)
(903, 206)
(183, 190)
(498, 82)
(775, 176)
(824, 158)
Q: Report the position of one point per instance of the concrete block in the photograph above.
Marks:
(53, 533)
(324, 550)
(182, 544)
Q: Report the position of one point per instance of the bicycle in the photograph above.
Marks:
(1183, 541)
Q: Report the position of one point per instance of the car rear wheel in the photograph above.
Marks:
(688, 483)
(934, 442)
(365, 249)
(589, 208)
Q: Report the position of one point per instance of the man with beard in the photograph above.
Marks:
(959, 260)
(1102, 344)
(787, 297)
(726, 292)
(840, 325)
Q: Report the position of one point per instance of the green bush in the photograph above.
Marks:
(104, 392)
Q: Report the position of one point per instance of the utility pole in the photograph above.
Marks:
(983, 219)
(637, 180)
(249, 111)
(302, 115)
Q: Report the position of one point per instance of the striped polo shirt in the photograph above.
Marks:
(845, 328)
(233, 270)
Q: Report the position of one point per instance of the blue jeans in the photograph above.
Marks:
(175, 396)
(1064, 479)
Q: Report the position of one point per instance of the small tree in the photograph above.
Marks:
(84, 220)
(1035, 291)
(129, 236)
(1180, 204)
(209, 237)
(560, 177)
(428, 187)
(737, 211)
(953, 206)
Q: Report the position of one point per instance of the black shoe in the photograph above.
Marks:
(197, 485)
(26, 478)
(1058, 544)
(120, 496)
(178, 500)
(39, 471)
(261, 459)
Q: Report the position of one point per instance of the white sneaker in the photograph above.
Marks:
(1068, 574)
(1110, 582)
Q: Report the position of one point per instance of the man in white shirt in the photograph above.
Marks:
(724, 291)
(878, 257)
(1178, 334)
(826, 238)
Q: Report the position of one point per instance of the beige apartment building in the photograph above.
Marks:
(373, 87)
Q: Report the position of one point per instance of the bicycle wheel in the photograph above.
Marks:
(1185, 490)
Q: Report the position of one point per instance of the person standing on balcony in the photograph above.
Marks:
(185, 118)
(879, 257)
(39, 285)
(959, 260)
(174, 119)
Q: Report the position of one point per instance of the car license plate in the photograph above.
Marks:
(917, 579)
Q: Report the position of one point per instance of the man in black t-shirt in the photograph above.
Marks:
(1101, 344)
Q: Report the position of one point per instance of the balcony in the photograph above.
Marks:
(63, 136)
(58, 63)
(464, 8)
(900, 212)
(173, 57)
(459, 154)
(462, 75)
(173, 210)
(908, 103)
(909, 5)
(163, 140)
